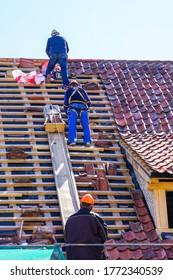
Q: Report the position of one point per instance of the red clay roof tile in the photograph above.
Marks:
(169, 253)
(141, 236)
(141, 211)
(160, 254)
(152, 236)
(129, 236)
(137, 194)
(148, 227)
(139, 203)
(137, 254)
(144, 219)
(136, 226)
(126, 255)
(148, 253)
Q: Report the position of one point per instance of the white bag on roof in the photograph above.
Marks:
(28, 78)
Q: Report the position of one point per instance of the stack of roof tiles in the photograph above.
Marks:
(141, 97)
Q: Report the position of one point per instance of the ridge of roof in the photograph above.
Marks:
(3, 59)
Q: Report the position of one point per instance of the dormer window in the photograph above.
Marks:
(169, 201)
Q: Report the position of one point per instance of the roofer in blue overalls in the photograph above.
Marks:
(76, 105)
(57, 50)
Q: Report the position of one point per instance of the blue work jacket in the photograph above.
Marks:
(56, 44)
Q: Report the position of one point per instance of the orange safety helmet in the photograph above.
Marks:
(74, 82)
(87, 198)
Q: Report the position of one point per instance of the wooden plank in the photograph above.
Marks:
(58, 236)
(42, 95)
(114, 236)
(94, 139)
(81, 148)
(50, 184)
(16, 209)
(24, 177)
(12, 119)
(82, 169)
(82, 161)
(10, 194)
(160, 208)
(22, 133)
(26, 228)
(28, 219)
(120, 218)
(22, 113)
(34, 169)
(33, 113)
(35, 153)
(12, 126)
(111, 177)
(29, 201)
(23, 139)
(113, 201)
(118, 227)
(41, 89)
(17, 161)
(11, 83)
(24, 105)
(85, 155)
(31, 227)
(111, 185)
(95, 134)
(106, 193)
(37, 147)
(20, 194)
(160, 185)
(19, 185)
(114, 210)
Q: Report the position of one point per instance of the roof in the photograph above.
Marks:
(136, 100)
(140, 93)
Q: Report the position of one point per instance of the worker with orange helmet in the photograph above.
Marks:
(76, 105)
(85, 227)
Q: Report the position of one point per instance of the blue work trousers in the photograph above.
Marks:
(78, 110)
(60, 58)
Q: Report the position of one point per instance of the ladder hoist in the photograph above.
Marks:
(63, 173)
